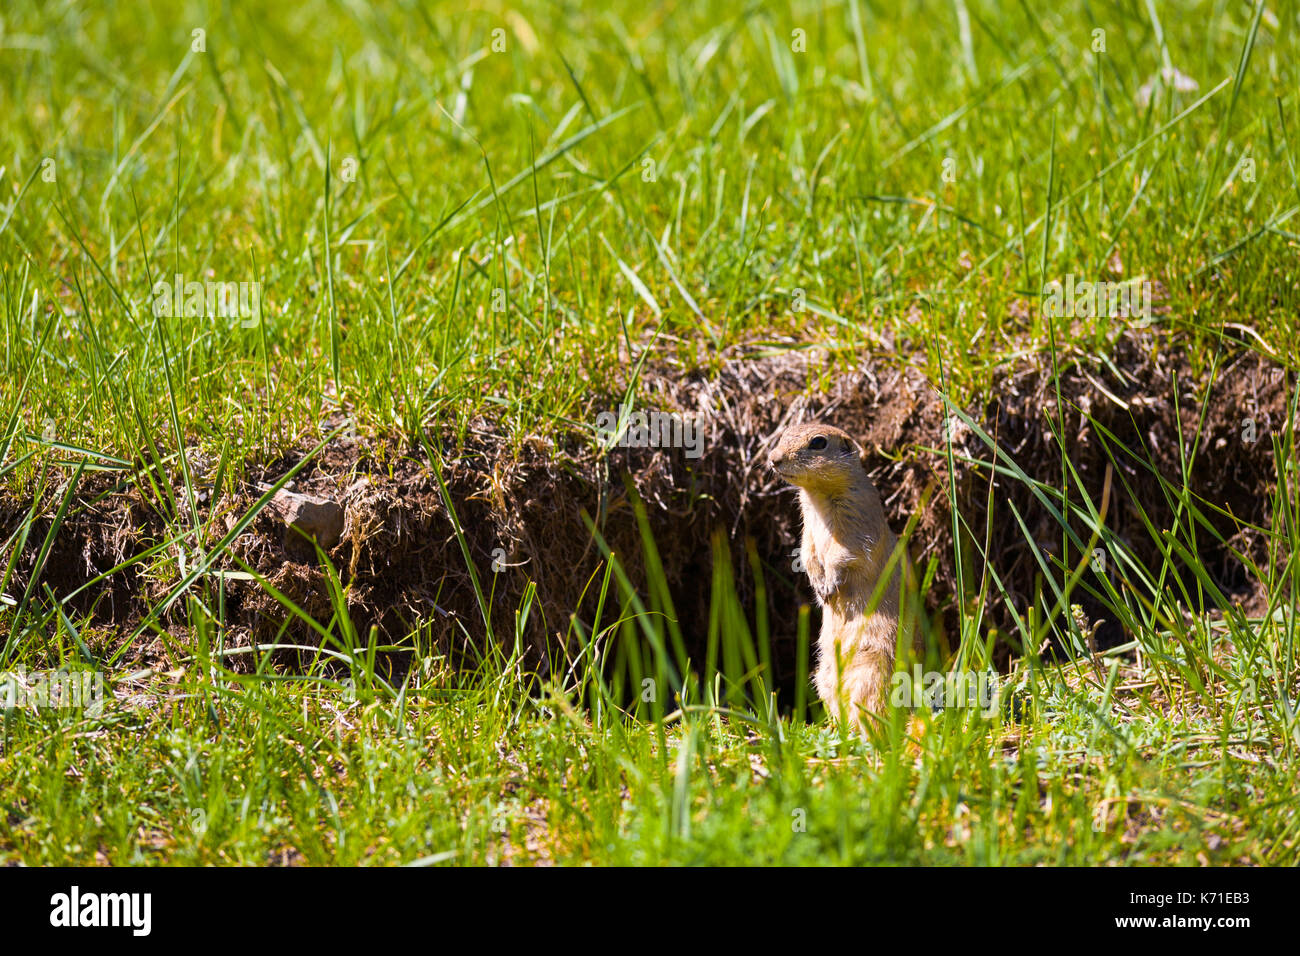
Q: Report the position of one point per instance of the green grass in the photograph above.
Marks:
(209, 768)
(445, 233)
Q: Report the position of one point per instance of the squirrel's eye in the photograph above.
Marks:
(818, 443)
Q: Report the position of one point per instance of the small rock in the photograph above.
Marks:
(310, 517)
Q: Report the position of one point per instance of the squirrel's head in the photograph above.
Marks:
(821, 459)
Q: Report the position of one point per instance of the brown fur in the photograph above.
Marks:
(847, 545)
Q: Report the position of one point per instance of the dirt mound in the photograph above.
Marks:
(1140, 408)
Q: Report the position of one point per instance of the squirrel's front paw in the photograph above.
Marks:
(828, 585)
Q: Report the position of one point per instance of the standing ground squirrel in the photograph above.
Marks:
(847, 546)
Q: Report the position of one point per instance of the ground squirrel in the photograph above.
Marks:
(847, 547)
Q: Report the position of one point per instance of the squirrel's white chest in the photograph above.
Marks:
(825, 559)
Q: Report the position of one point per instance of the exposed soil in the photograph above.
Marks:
(524, 508)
